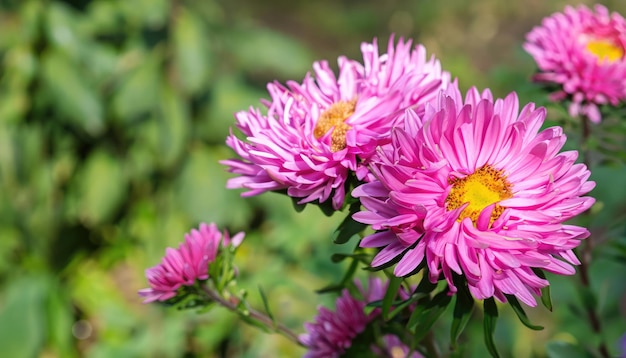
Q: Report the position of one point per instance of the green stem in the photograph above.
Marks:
(586, 252)
(233, 305)
(431, 345)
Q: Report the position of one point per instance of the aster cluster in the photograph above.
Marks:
(315, 135)
(453, 196)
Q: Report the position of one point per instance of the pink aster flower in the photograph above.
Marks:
(332, 332)
(188, 263)
(475, 188)
(583, 52)
(315, 133)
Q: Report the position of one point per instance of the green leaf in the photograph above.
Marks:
(326, 207)
(68, 88)
(560, 349)
(200, 190)
(336, 258)
(348, 227)
(424, 316)
(463, 308)
(399, 306)
(99, 189)
(174, 127)
(23, 317)
(296, 206)
(347, 277)
(192, 55)
(390, 295)
(60, 320)
(138, 92)
(265, 52)
(61, 29)
(266, 305)
(546, 299)
(489, 325)
(519, 311)
(425, 286)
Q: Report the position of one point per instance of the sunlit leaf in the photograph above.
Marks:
(138, 92)
(192, 55)
(230, 94)
(62, 31)
(23, 316)
(266, 50)
(69, 88)
(60, 321)
(174, 126)
(99, 188)
(201, 190)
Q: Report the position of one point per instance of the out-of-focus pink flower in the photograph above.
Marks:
(474, 188)
(190, 262)
(332, 332)
(582, 51)
(622, 346)
(394, 348)
(316, 133)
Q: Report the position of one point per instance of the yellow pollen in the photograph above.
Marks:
(334, 117)
(480, 189)
(605, 50)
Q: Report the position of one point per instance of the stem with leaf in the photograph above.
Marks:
(234, 305)
(586, 253)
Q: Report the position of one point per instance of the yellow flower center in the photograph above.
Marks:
(605, 50)
(397, 352)
(334, 117)
(480, 189)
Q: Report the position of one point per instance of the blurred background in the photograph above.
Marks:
(113, 115)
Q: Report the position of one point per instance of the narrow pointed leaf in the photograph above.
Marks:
(326, 207)
(489, 325)
(346, 278)
(402, 305)
(348, 227)
(336, 258)
(421, 322)
(546, 299)
(266, 305)
(463, 308)
(519, 310)
(294, 201)
(425, 286)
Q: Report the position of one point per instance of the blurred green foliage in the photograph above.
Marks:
(113, 115)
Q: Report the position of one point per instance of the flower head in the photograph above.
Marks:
(188, 263)
(583, 52)
(315, 133)
(474, 188)
(332, 332)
